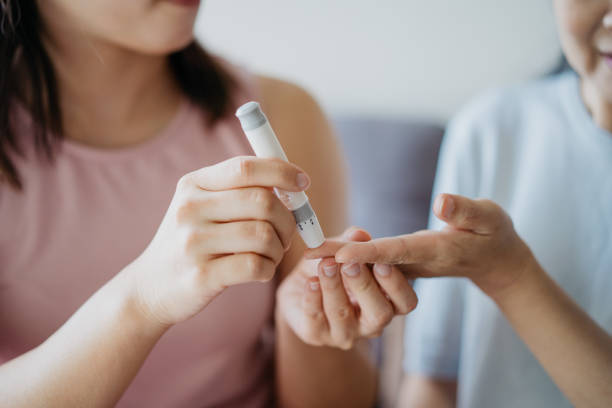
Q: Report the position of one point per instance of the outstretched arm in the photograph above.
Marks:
(480, 243)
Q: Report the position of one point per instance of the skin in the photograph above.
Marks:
(481, 244)
(585, 30)
(227, 208)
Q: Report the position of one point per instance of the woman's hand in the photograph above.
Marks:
(224, 226)
(479, 243)
(327, 304)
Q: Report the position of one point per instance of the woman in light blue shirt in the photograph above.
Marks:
(524, 320)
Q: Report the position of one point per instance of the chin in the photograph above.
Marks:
(165, 45)
(602, 82)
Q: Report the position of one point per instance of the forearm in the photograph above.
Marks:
(309, 376)
(572, 348)
(419, 391)
(89, 361)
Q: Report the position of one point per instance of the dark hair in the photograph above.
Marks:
(27, 75)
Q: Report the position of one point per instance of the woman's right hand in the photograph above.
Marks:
(224, 226)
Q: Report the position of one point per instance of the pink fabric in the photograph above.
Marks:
(80, 221)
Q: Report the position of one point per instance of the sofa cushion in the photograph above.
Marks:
(391, 171)
(391, 167)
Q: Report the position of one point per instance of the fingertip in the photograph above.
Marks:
(328, 249)
(303, 181)
(349, 253)
(328, 268)
(382, 270)
(342, 257)
(310, 253)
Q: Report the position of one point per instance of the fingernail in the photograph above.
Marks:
(382, 270)
(302, 181)
(314, 286)
(330, 270)
(448, 207)
(351, 270)
(438, 205)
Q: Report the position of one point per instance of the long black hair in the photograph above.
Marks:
(27, 75)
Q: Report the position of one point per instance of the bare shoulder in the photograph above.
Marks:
(296, 117)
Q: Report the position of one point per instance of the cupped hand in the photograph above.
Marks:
(329, 304)
(224, 226)
(479, 242)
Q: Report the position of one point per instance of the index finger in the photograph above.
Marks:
(331, 246)
(328, 249)
(250, 171)
(405, 249)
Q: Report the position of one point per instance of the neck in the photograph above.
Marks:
(110, 97)
(599, 108)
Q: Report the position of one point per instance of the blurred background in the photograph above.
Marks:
(386, 58)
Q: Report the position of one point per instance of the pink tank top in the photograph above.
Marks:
(79, 221)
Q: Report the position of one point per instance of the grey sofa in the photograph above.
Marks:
(392, 165)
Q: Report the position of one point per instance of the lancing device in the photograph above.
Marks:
(265, 144)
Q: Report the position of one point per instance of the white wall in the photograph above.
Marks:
(386, 57)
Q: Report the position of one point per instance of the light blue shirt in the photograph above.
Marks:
(534, 150)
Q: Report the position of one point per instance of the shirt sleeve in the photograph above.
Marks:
(432, 340)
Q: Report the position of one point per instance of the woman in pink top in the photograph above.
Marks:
(120, 286)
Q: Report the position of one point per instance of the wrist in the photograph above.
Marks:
(528, 275)
(125, 288)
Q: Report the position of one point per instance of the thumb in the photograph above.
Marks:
(480, 216)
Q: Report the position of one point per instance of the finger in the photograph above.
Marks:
(396, 286)
(338, 309)
(356, 234)
(331, 246)
(249, 171)
(376, 310)
(480, 216)
(312, 305)
(405, 249)
(253, 203)
(239, 268)
(258, 237)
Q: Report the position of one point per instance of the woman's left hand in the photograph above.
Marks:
(479, 242)
(329, 304)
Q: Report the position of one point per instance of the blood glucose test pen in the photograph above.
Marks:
(265, 144)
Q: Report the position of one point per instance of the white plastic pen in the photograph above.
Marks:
(263, 140)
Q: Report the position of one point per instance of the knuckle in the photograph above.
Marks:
(264, 199)
(184, 182)
(186, 210)
(253, 264)
(470, 214)
(192, 242)
(382, 318)
(244, 167)
(265, 233)
(342, 314)
(365, 285)
(490, 205)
